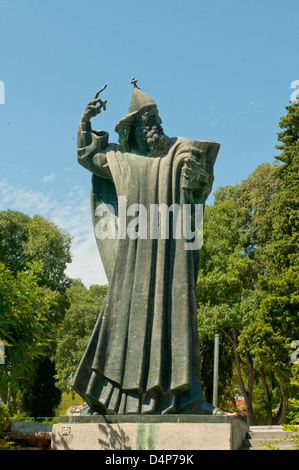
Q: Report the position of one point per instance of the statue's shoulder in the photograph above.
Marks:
(111, 148)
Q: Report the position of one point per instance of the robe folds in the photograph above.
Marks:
(143, 354)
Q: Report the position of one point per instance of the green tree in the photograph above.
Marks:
(232, 259)
(224, 280)
(13, 237)
(284, 253)
(76, 328)
(248, 283)
(268, 340)
(41, 398)
(277, 321)
(25, 240)
(24, 325)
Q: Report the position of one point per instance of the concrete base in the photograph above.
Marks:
(148, 432)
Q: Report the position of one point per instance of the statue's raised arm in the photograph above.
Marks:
(91, 143)
(94, 107)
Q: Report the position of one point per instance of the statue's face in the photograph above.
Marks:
(148, 132)
(150, 118)
(148, 123)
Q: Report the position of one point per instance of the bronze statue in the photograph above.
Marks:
(143, 355)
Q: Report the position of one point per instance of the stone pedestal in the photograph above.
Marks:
(148, 432)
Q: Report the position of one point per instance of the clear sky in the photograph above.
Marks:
(218, 70)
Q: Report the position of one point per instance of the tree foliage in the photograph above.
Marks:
(24, 324)
(286, 205)
(248, 283)
(76, 328)
(226, 292)
(42, 396)
(25, 242)
(277, 323)
(25, 239)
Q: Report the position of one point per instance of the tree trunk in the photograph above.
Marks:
(267, 399)
(8, 398)
(281, 415)
(251, 372)
(8, 395)
(247, 395)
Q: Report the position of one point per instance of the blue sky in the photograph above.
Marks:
(218, 70)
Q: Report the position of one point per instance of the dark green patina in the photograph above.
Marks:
(143, 355)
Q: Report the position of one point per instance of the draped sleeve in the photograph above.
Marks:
(91, 150)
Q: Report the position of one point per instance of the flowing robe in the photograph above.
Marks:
(143, 355)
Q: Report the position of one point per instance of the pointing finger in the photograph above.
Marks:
(100, 91)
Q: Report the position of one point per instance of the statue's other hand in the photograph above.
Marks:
(94, 107)
(193, 169)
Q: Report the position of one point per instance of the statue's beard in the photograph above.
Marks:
(157, 141)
